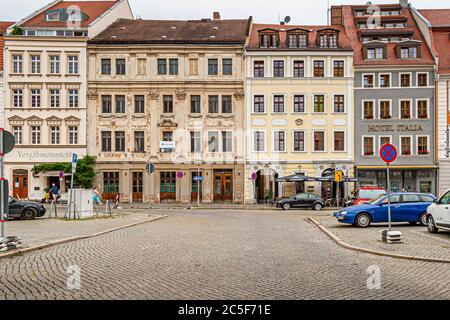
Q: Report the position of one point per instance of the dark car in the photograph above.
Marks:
(24, 209)
(302, 201)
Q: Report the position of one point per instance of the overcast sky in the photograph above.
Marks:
(301, 11)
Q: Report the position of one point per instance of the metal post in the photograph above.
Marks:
(149, 193)
(255, 199)
(2, 168)
(389, 197)
(198, 186)
(337, 194)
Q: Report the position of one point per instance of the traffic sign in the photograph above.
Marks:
(9, 142)
(254, 176)
(150, 168)
(388, 153)
(74, 158)
(61, 174)
(198, 178)
(180, 175)
(338, 176)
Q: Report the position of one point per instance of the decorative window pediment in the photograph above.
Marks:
(16, 120)
(34, 120)
(53, 120)
(72, 121)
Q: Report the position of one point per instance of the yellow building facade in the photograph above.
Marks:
(299, 111)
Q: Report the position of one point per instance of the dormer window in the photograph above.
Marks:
(268, 39)
(298, 39)
(408, 53)
(374, 50)
(328, 39)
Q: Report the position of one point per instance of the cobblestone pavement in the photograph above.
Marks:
(218, 255)
(417, 240)
(44, 230)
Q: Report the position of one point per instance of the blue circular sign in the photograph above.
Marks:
(388, 153)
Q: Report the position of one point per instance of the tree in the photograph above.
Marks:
(17, 31)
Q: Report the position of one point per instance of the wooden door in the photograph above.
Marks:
(168, 186)
(138, 186)
(223, 186)
(20, 180)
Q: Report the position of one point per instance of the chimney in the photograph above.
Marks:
(404, 3)
(216, 15)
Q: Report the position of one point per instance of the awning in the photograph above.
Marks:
(417, 167)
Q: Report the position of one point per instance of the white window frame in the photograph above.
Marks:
(417, 79)
(221, 141)
(17, 64)
(273, 103)
(19, 96)
(379, 142)
(410, 107)
(57, 134)
(55, 66)
(345, 66)
(417, 145)
(285, 141)
(375, 113)
(253, 104)
(264, 132)
(384, 74)
(36, 98)
(400, 79)
(305, 142)
(285, 73)
(35, 65)
(417, 108)
(374, 80)
(325, 142)
(345, 141)
(400, 151)
(55, 97)
(69, 97)
(374, 145)
(305, 96)
(379, 109)
(324, 60)
(70, 132)
(345, 103)
(38, 135)
(74, 64)
(19, 133)
(325, 100)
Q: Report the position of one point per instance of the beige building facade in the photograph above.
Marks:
(173, 97)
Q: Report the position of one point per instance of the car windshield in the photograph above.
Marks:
(371, 194)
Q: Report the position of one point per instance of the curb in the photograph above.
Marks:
(67, 240)
(345, 245)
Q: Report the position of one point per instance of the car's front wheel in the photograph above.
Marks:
(29, 214)
(423, 219)
(318, 207)
(362, 220)
(287, 206)
(431, 226)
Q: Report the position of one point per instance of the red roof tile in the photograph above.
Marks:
(437, 17)
(353, 32)
(3, 26)
(93, 9)
(344, 43)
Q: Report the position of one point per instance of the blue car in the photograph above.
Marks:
(405, 207)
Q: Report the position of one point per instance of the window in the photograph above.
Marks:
(193, 67)
(408, 53)
(227, 67)
(213, 141)
(267, 40)
(141, 66)
(278, 104)
(368, 146)
(73, 98)
(213, 67)
(259, 106)
(54, 98)
(173, 67)
(405, 146)
(375, 53)
(120, 141)
(106, 66)
(338, 69)
(227, 104)
(368, 81)
(298, 40)
(17, 64)
(18, 134)
(299, 141)
(368, 110)
(405, 80)
(139, 104)
(339, 141)
(54, 64)
(259, 141)
(299, 103)
(120, 67)
(339, 103)
(213, 102)
(162, 67)
(54, 135)
(299, 69)
(279, 141)
(196, 142)
(106, 104)
(385, 110)
(319, 103)
(278, 68)
(328, 40)
(422, 109)
(35, 135)
(384, 140)
(35, 64)
(120, 104)
(139, 141)
(167, 104)
(73, 64)
(106, 141)
(167, 136)
(385, 80)
(35, 98)
(422, 79)
(195, 104)
(410, 198)
(422, 146)
(111, 182)
(405, 109)
(227, 141)
(73, 135)
(319, 69)
(319, 141)
(18, 98)
(52, 16)
(258, 69)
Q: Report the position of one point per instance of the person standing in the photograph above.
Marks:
(55, 192)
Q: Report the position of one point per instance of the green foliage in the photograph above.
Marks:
(17, 31)
(84, 177)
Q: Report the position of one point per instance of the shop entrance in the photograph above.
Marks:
(223, 186)
(168, 186)
(138, 184)
(266, 185)
(20, 188)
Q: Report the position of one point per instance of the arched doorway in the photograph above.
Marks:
(20, 184)
(266, 185)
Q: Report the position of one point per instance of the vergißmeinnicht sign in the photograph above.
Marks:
(43, 155)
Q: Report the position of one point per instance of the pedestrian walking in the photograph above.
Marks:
(55, 192)
(96, 197)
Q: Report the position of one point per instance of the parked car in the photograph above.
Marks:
(24, 209)
(405, 207)
(438, 217)
(302, 201)
(365, 193)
